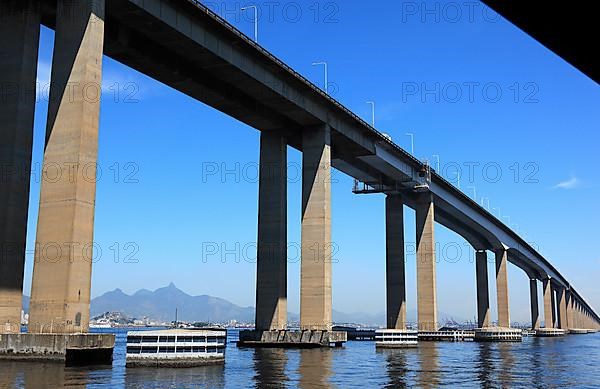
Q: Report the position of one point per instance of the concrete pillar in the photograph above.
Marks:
(20, 32)
(395, 264)
(563, 322)
(535, 312)
(483, 295)
(502, 288)
(271, 263)
(570, 315)
(548, 304)
(426, 277)
(60, 295)
(554, 307)
(315, 279)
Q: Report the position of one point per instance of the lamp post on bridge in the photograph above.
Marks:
(437, 166)
(412, 142)
(255, 8)
(372, 104)
(498, 209)
(485, 202)
(474, 192)
(324, 64)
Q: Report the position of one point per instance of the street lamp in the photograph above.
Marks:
(485, 201)
(474, 192)
(324, 64)
(255, 8)
(497, 209)
(412, 142)
(372, 104)
(437, 158)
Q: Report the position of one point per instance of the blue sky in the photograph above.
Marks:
(471, 87)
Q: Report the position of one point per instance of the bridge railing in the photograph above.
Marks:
(299, 76)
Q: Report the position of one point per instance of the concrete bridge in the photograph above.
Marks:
(189, 48)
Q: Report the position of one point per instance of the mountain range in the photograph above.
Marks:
(161, 304)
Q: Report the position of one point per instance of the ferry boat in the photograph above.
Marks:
(176, 347)
(101, 323)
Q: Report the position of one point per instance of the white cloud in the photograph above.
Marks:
(117, 85)
(571, 183)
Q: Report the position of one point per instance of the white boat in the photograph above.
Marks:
(101, 323)
(176, 347)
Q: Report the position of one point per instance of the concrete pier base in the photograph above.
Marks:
(498, 334)
(393, 338)
(71, 349)
(292, 339)
(549, 332)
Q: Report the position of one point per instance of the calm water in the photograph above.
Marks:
(542, 363)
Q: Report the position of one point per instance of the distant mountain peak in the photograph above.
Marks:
(161, 303)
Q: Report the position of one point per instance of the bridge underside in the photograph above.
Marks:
(180, 45)
(567, 28)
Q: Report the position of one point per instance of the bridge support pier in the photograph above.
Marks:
(426, 277)
(20, 31)
(548, 304)
(395, 264)
(483, 295)
(554, 306)
(570, 315)
(271, 263)
(502, 288)
(315, 268)
(535, 312)
(60, 297)
(563, 321)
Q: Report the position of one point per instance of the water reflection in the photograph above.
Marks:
(315, 368)
(41, 375)
(10, 375)
(198, 377)
(269, 367)
(507, 362)
(485, 367)
(397, 367)
(429, 372)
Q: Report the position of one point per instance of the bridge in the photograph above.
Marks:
(186, 46)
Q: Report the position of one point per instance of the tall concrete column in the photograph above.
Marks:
(426, 277)
(563, 321)
(554, 307)
(502, 288)
(395, 264)
(271, 264)
(60, 295)
(483, 295)
(20, 33)
(315, 278)
(570, 313)
(535, 311)
(548, 304)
